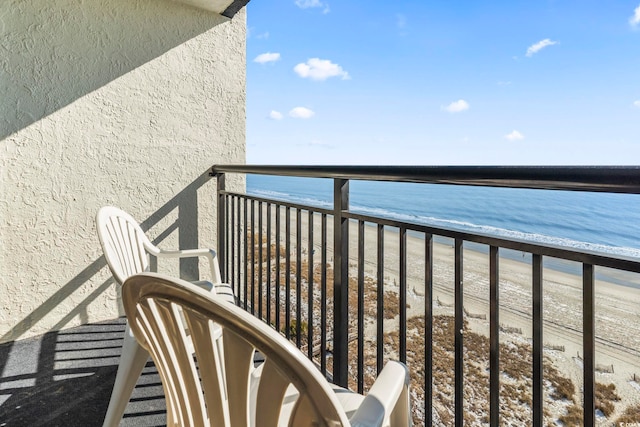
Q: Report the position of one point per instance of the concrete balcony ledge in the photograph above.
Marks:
(65, 378)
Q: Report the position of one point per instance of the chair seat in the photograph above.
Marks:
(349, 400)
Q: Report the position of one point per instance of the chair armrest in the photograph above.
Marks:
(387, 398)
(210, 254)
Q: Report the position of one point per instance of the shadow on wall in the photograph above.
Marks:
(55, 52)
(186, 202)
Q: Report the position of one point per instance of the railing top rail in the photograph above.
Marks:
(611, 179)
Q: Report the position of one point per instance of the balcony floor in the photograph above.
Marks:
(65, 379)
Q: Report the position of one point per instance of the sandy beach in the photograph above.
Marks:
(617, 306)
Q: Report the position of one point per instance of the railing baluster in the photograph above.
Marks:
(403, 295)
(360, 363)
(298, 276)
(232, 246)
(459, 326)
(287, 279)
(227, 243)
(428, 325)
(253, 259)
(380, 302)
(222, 224)
(246, 253)
(494, 337)
(260, 254)
(537, 340)
(277, 285)
(310, 289)
(268, 271)
(323, 298)
(588, 343)
(340, 282)
(238, 251)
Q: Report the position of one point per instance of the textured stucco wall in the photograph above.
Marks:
(123, 102)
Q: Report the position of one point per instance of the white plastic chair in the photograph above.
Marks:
(226, 389)
(126, 249)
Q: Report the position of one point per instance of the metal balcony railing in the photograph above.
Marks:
(267, 264)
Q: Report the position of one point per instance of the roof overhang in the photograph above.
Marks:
(226, 8)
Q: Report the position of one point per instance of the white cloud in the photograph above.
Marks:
(301, 113)
(635, 19)
(319, 143)
(402, 25)
(456, 106)
(275, 115)
(514, 136)
(637, 104)
(401, 21)
(320, 69)
(264, 35)
(263, 58)
(537, 47)
(306, 4)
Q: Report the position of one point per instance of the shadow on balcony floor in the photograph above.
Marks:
(65, 379)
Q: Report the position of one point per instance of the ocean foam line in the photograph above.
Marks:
(502, 232)
(290, 198)
(464, 225)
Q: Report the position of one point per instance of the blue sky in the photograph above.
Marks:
(443, 83)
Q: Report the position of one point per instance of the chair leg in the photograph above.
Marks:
(132, 361)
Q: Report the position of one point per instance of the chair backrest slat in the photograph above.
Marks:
(182, 362)
(122, 242)
(272, 388)
(213, 383)
(155, 306)
(238, 365)
(304, 413)
(151, 333)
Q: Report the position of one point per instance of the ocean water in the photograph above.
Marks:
(600, 222)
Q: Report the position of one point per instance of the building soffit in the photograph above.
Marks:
(227, 8)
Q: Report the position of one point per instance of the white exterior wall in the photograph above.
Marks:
(107, 102)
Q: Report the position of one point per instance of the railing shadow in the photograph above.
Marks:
(65, 378)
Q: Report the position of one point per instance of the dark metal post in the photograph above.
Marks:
(260, 270)
(403, 295)
(428, 326)
(298, 276)
(222, 226)
(277, 314)
(494, 337)
(380, 302)
(458, 333)
(538, 392)
(340, 282)
(588, 343)
(360, 372)
(287, 275)
(310, 288)
(323, 298)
